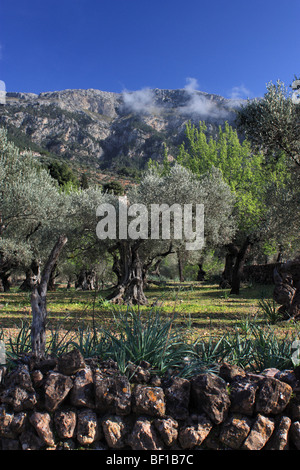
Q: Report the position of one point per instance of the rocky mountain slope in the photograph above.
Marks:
(107, 130)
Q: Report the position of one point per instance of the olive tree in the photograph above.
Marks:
(272, 123)
(154, 233)
(29, 203)
(248, 175)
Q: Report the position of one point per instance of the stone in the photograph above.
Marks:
(287, 376)
(87, 427)
(19, 398)
(177, 396)
(149, 400)
(167, 429)
(18, 391)
(193, 434)
(11, 424)
(242, 396)
(65, 423)
(271, 372)
(68, 444)
(37, 378)
(82, 393)
(279, 438)
(138, 374)
(71, 362)
(112, 394)
(273, 396)
(30, 441)
(229, 372)
(260, 433)
(210, 395)
(42, 424)
(20, 377)
(6, 419)
(115, 429)
(10, 444)
(144, 436)
(234, 431)
(56, 387)
(295, 434)
(293, 408)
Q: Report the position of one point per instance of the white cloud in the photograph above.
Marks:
(191, 85)
(140, 101)
(198, 103)
(238, 93)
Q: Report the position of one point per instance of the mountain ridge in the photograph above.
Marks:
(110, 131)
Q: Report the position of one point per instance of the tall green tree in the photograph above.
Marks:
(248, 175)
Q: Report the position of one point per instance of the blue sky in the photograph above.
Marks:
(230, 48)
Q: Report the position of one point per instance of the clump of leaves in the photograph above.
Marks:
(270, 311)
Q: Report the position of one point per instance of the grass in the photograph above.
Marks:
(198, 321)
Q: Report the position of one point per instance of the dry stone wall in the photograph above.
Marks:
(71, 403)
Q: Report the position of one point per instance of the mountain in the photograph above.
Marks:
(104, 131)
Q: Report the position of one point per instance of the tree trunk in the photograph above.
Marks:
(38, 302)
(32, 277)
(53, 275)
(239, 265)
(201, 273)
(4, 282)
(86, 280)
(130, 288)
(180, 266)
(227, 274)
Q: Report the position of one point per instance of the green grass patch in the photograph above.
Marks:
(188, 326)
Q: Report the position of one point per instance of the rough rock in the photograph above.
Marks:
(273, 396)
(144, 436)
(65, 423)
(112, 394)
(19, 392)
(149, 401)
(234, 431)
(242, 396)
(193, 434)
(280, 437)
(139, 373)
(115, 429)
(210, 395)
(260, 433)
(30, 441)
(87, 427)
(11, 424)
(71, 362)
(82, 393)
(56, 388)
(177, 395)
(42, 424)
(295, 434)
(229, 372)
(167, 429)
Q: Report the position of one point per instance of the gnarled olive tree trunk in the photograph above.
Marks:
(239, 266)
(130, 273)
(38, 302)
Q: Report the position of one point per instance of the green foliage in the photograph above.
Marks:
(150, 339)
(245, 172)
(273, 123)
(113, 187)
(270, 311)
(63, 174)
(29, 200)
